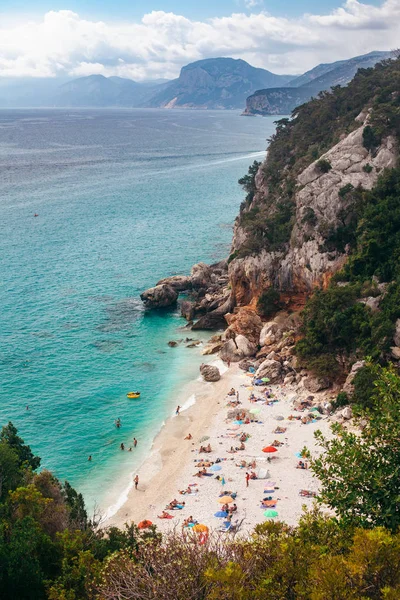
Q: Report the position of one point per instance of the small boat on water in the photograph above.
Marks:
(133, 395)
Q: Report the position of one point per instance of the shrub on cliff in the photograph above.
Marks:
(269, 302)
(324, 165)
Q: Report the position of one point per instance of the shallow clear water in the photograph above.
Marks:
(124, 197)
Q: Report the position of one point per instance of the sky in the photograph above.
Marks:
(153, 39)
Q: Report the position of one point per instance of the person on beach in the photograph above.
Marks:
(178, 408)
(247, 479)
(135, 442)
(228, 362)
(136, 481)
(122, 446)
(189, 436)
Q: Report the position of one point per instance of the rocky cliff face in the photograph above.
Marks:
(319, 206)
(215, 83)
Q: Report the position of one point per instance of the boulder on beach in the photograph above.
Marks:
(316, 384)
(159, 296)
(210, 373)
(234, 350)
(271, 369)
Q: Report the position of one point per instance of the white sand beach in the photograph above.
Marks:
(171, 465)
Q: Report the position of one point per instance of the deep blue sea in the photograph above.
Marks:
(124, 198)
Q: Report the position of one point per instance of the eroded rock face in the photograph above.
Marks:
(348, 385)
(160, 296)
(212, 348)
(210, 373)
(210, 322)
(271, 369)
(200, 275)
(316, 384)
(244, 322)
(307, 263)
(270, 334)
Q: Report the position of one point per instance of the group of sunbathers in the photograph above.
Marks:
(205, 448)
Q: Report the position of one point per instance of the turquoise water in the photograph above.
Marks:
(124, 197)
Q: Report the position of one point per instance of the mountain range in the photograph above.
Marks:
(282, 100)
(214, 83)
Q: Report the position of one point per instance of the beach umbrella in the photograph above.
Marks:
(265, 379)
(204, 438)
(270, 449)
(270, 513)
(225, 499)
(215, 468)
(144, 524)
(220, 514)
(199, 528)
(255, 411)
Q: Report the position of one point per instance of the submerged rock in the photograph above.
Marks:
(159, 296)
(210, 373)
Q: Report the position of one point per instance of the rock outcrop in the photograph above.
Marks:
(270, 368)
(160, 296)
(307, 262)
(234, 350)
(210, 373)
(180, 283)
(348, 385)
(245, 322)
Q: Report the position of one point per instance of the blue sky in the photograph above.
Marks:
(154, 39)
(134, 9)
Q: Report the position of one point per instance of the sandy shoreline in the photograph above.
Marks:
(171, 464)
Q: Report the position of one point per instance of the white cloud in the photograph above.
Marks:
(63, 43)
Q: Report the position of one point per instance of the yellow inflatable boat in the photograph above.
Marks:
(133, 395)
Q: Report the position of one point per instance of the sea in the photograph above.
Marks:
(95, 207)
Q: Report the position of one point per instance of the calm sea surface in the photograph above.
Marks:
(124, 197)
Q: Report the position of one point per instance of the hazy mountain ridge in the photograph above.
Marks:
(215, 83)
(283, 100)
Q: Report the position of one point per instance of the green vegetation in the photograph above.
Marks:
(324, 165)
(269, 302)
(360, 474)
(313, 129)
(368, 168)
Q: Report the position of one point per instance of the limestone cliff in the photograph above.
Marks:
(306, 261)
